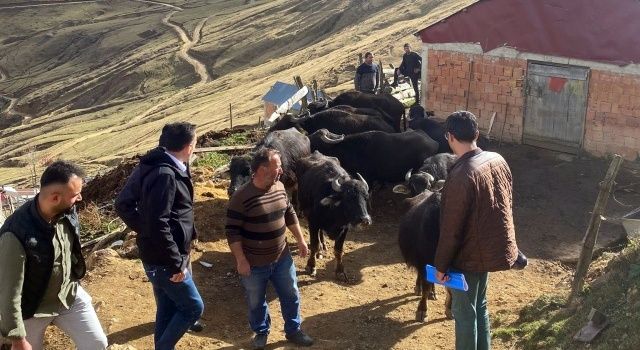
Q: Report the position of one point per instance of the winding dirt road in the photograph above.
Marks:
(187, 44)
(12, 100)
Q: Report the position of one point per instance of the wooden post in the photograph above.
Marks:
(230, 116)
(466, 108)
(360, 59)
(591, 236)
(314, 90)
(299, 84)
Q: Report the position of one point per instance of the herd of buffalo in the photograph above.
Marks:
(336, 153)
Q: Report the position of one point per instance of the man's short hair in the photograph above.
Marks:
(177, 135)
(407, 45)
(60, 172)
(463, 125)
(368, 54)
(261, 157)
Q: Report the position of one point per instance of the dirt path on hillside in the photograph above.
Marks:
(40, 4)
(199, 67)
(188, 44)
(12, 100)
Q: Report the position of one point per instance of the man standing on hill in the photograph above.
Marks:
(367, 75)
(41, 265)
(477, 234)
(258, 215)
(157, 203)
(411, 67)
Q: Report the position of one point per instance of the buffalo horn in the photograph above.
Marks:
(408, 175)
(328, 139)
(366, 185)
(335, 184)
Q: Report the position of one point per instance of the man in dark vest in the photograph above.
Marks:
(157, 203)
(41, 266)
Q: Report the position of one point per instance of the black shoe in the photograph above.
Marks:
(521, 262)
(197, 327)
(300, 338)
(260, 341)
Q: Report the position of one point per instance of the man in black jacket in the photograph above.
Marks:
(411, 67)
(157, 203)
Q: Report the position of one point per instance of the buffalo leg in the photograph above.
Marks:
(311, 262)
(323, 246)
(447, 305)
(432, 292)
(423, 306)
(338, 248)
(418, 287)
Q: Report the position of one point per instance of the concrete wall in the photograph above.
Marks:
(461, 76)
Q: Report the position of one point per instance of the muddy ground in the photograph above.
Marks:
(375, 310)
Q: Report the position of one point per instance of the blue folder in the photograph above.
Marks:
(456, 278)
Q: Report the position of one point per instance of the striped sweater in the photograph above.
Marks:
(258, 219)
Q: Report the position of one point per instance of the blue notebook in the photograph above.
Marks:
(456, 278)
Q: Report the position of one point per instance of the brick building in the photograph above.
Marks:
(558, 74)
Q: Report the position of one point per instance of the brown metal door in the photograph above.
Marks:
(556, 104)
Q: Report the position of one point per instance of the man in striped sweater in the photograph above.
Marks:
(257, 217)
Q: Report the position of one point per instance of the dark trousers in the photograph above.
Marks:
(178, 306)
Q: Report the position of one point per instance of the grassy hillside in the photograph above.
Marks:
(547, 324)
(97, 81)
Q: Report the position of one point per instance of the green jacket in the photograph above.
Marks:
(26, 257)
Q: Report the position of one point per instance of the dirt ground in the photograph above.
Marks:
(376, 309)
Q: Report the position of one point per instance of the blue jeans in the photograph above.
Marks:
(282, 275)
(178, 306)
(470, 313)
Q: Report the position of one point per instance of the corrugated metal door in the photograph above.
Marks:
(556, 104)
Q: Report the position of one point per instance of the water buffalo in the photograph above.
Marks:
(420, 120)
(430, 176)
(333, 202)
(418, 239)
(335, 120)
(292, 146)
(383, 102)
(378, 156)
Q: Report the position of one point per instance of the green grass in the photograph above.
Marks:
(212, 159)
(238, 139)
(547, 324)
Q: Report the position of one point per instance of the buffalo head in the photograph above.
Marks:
(239, 172)
(290, 121)
(350, 197)
(416, 183)
(318, 106)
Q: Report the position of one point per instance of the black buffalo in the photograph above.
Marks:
(418, 240)
(420, 120)
(333, 202)
(335, 120)
(292, 146)
(384, 102)
(378, 156)
(430, 176)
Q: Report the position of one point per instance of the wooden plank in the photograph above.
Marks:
(300, 85)
(556, 70)
(223, 148)
(591, 236)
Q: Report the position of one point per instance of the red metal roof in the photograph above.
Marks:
(595, 30)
